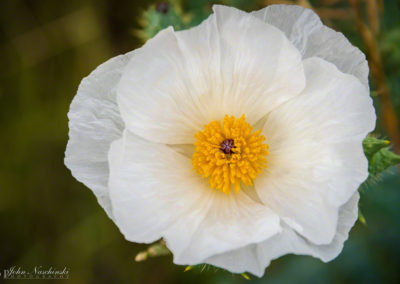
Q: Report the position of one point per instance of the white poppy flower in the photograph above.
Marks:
(237, 141)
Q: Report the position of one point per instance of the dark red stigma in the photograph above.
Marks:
(227, 145)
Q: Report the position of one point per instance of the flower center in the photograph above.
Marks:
(227, 145)
(229, 153)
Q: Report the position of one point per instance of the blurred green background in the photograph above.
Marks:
(47, 218)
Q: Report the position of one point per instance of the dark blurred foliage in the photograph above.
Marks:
(47, 218)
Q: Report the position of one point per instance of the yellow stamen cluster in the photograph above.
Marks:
(224, 167)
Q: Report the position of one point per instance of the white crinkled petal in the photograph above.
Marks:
(316, 160)
(94, 122)
(232, 63)
(255, 258)
(151, 186)
(156, 194)
(306, 31)
(232, 221)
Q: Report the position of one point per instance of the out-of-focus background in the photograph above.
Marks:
(49, 219)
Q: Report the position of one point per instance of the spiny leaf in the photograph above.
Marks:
(160, 16)
(379, 156)
(199, 267)
(247, 5)
(372, 145)
(182, 14)
(382, 160)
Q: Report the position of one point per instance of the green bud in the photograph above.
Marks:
(154, 250)
(245, 276)
(361, 217)
(141, 256)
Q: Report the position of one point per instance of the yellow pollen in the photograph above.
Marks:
(229, 153)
